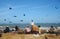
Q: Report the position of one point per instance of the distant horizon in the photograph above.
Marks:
(29, 23)
(23, 25)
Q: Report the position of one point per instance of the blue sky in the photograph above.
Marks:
(41, 11)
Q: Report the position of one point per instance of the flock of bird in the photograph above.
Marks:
(10, 8)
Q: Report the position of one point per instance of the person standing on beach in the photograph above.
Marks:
(39, 29)
(16, 28)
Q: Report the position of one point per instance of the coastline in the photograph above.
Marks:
(14, 35)
(44, 28)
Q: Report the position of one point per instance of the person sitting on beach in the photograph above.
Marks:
(51, 30)
(35, 29)
(27, 30)
(7, 30)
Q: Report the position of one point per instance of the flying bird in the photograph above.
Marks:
(32, 20)
(56, 7)
(10, 8)
(23, 14)
(15, 16)
(21, 20)
(4, 19)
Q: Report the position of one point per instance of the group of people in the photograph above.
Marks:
(31, 30)
(7, 29)
(27, 30)
(53, 30)
(37, 30)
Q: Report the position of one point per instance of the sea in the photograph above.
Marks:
(23, 25)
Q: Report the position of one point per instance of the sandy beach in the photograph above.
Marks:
(28, 36)
(43, 35)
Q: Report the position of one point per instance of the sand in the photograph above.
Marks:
(28, 36)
